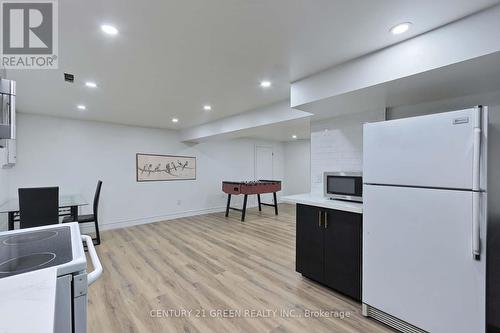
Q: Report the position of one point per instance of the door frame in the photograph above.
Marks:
(257, 146)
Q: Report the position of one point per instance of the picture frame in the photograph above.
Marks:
(156, 167)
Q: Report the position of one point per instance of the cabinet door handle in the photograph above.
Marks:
(319, 219)
(326, 220)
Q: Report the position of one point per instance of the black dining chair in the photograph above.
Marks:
(38, 206)
(91, 218)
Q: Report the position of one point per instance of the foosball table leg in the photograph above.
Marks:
(244, 210)
(275, 204)
(228, 204)
(258, 199)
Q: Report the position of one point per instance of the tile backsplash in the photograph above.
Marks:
(337, 145)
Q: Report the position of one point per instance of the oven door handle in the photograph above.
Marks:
(96, 273)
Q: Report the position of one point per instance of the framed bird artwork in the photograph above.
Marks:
(153, 167)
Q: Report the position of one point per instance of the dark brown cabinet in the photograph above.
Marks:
(342, 252)
(309, 242)
(328, 248)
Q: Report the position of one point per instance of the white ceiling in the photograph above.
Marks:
(171, 57)
(468, 82)
(281, 131)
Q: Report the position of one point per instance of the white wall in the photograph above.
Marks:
(297, 167)
(74, 154)
(337, 145)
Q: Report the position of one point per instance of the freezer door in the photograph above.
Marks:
(441, 150)
(417, 257)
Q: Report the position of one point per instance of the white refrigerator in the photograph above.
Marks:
(424, 222)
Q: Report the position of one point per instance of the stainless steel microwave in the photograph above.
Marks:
(344, 185)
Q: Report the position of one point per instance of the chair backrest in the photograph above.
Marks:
(38, 206)
(96, 198)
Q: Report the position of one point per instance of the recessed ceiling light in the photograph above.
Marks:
(207, 107)
(175, 120)
(294, 137)
(91, 84)
(109, 29)
(265, 84)
(400, 28)
(81, 107)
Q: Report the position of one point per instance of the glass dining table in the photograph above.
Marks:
(68, 206)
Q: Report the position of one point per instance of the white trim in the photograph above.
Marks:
(118, 224)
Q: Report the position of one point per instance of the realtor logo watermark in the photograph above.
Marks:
(29, 36)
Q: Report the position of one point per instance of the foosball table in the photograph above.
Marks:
(252, 187)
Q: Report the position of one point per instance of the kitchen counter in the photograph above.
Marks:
(27, 302)
(321, 201)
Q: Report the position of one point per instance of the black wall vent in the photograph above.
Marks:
(69, 77)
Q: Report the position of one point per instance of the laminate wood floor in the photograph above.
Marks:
(212, 274)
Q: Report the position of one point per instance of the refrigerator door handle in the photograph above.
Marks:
(477, 147)
(476, 166)
(476, 237)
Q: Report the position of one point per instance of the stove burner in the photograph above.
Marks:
(29, 237)
(25, 263)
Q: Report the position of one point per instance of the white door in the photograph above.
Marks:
(428, 151)
(417, 258)
(264, 162)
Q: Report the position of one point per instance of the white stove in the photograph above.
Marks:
(61, 247)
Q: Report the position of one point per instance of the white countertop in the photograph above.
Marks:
(27, 302)
(321, 201)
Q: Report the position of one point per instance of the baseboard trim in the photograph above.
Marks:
(153, 219)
